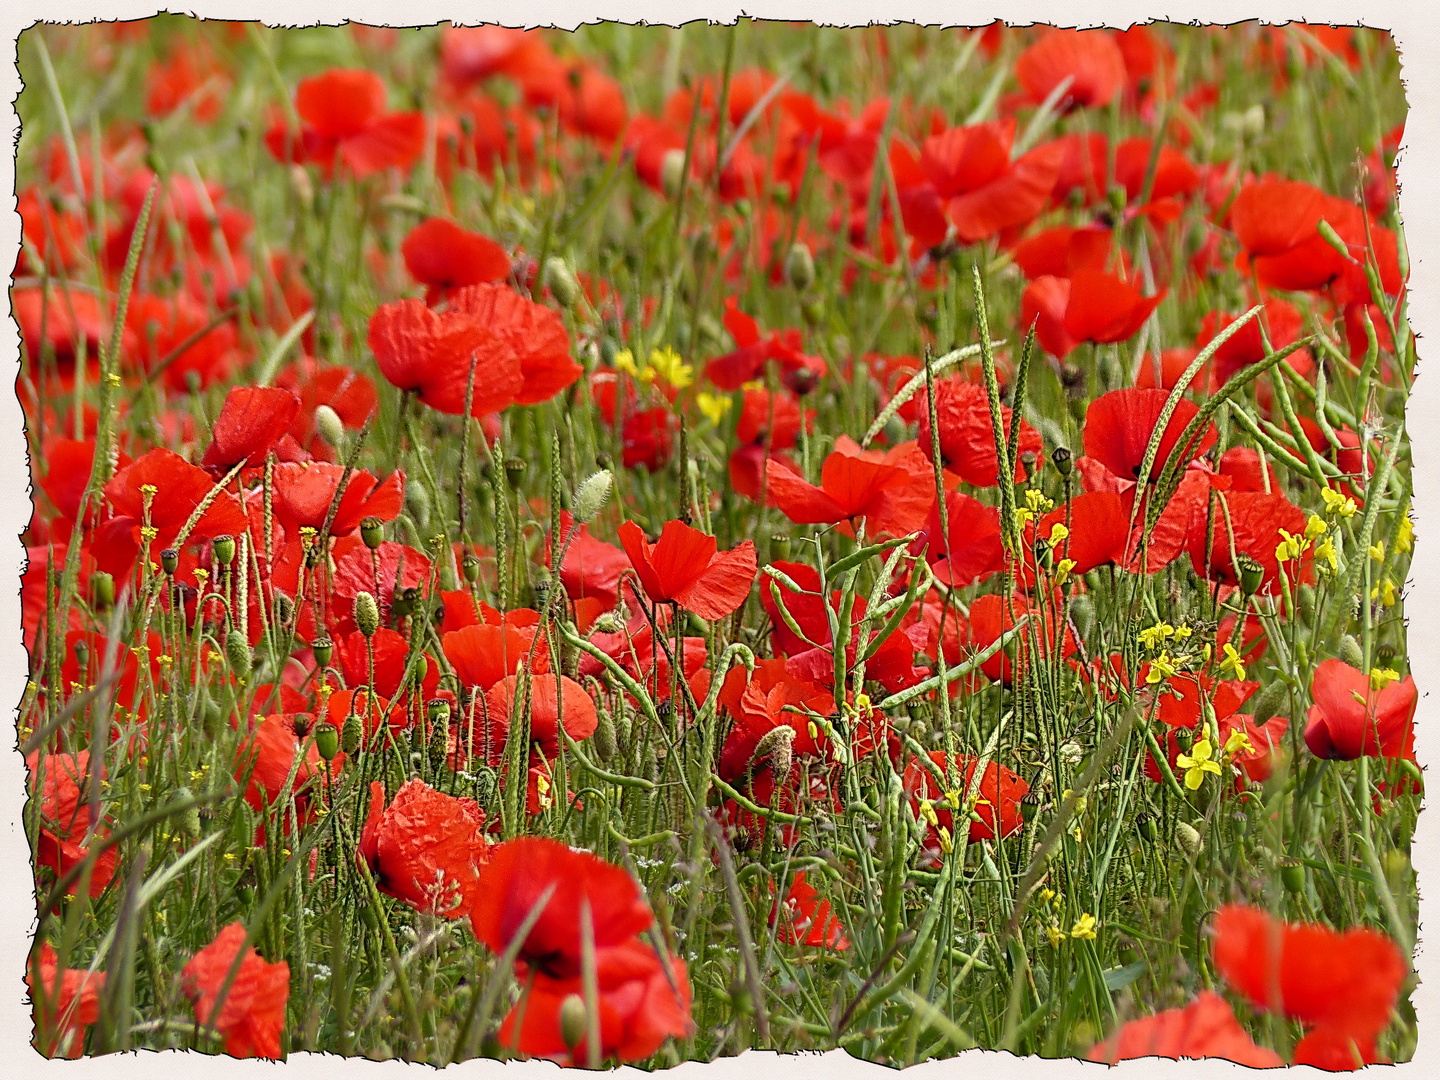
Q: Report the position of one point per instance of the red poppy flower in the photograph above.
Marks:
(1345, 983)
(807, 919)
(176, 332)
(432, 353)
(532, 332)
(973, 549)
(518, 875)
(370, 707)
(643, 1000)
(1163, 372)
(592, 568)
(1098, 523)
(1090, 59)
(188, 76)
(349, 393)
(1206, 1028)
(1091, 306)
(1253, 520)
(772, 419)
(1063, 250)
(645, 439)
(1000, 793)
(1119, 426)
(967, 436)
(304, 491)
(1257, 763)
(1272, 215)
(65, 811)
(426, 848)
(253, 1013)
(265, 761)
(991, 616)
(250, 423)
(754, 350)
(344, 120)
(71, 1002)
(179, 489)
(1350, 719)
(444, 257)
(1015, 198)
(392, 660)
(767, 699)
(851, 488)
(683, 566)
(550, 702)
(1247, 471)
(1282, 323)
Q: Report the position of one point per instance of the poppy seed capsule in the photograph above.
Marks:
(102, 590)
(351, 734)
(437, 711)
(800, 267)
(1189, 839)
(1292, 874)
(170, 561)
(1063, 459)
(1147, 827)
(470, 567)
(1030, 805)
(327, 740)
(323, 649)
(1252, 573)
(372, 531)
(329, 425)
(515, 469)
(574, 1019)
(223, 549)
(367, 614)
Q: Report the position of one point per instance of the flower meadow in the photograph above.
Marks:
(633, 545)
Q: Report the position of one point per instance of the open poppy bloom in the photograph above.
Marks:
(643, 1000)
(753, 350)
(684, 567)
(973, 549)
(1090, 59)
(1119, 426)
(426, 848)
(304, 491)
(345, 121)
(1351, 719)
(807, 919)
(519, 874)
(1000, 792)
(550, 702)
(1246, 523)
(484, 654)
(64, 781)
(855, 487)
(444, 257)
(1092, 305)
(174, 489)
(967, 435)
(251, 421)
(592, 568)
(533, 333)
(253, 1013)
(265, 762)
(66, 1003)
(432, 354)
(1341, 985)
(991, 616)
(1206, 1028)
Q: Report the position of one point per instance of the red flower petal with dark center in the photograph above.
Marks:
(967, 435)
(1350, 719)
(1102, 308)
(1089, 58)
(1254, 520)
(251, 421)
(431, 353)
(1119, 426)
(684, 566)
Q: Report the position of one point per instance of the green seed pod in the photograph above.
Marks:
(439, 743)
(237, 655)
(1030, 805)
(169, 561)
(329, 425)
(1063, 460)
(799, 267)
(417, 505)
(1292, 874)
(605, 741)
(1350, 652)
(591, 495)
(470, 567)
(223, 549)
(190, 818)
(367, 614)
(352, 733)
(324, 650)
(1189, 839)
(779, 545)
(102, 591)
(1252, 573)
(624, 729)
(514, 470)
(672, 172)
(372, 531)
(327, 740)
(561, 281)
(1271, 700)
(574, 1020)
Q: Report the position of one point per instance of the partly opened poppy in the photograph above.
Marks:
(443, 257)
(253, 1013)
(1090, 59)
(426, 848)
(251, 421)
(683, 566)
(432, 354)
(345, 120)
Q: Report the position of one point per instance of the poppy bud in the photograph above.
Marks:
(541, 588)
(1146, 826)
(778, 745)
(223, 548)
(470, 567)
(439, 744)
(102, 590)
(1252, 573)
(800, 267)
(574, 1019)
(812, 308)
(561, 281)
(1063, 459)
(1189, 839)
(190, 816)
(417, 504)
(300, 184)
(1271, 700)
(324, 650)
(327, 740)
(372, 531)
(664, 708)
(170, 561)
(351, 734)
(329, 425)
(591, 495)
(514, 470)
(1350, 652)
(1292, 874)
(672, 171)
(482, 785)
(367, 614)
(284, 609)
(237, 655)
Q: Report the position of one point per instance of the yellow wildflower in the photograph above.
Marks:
(1406, 536)
(1231, 665)
(1197, 763)
(713, 406)
(1084, 927)
(1315, 527)
(1382, 677)
(1335, 503)
(1290, 547)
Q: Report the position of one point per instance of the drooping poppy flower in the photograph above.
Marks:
(551, 703)
(1120, 424)
(967, 435)
(304, 492)
(444, 257)
(684, 566)
(1341, 984)
(1351, 719)
(806, 918)
(1090, 59)
(643, 1000)
(1000, 792)
(250, 423)
(515, 881)
(433, 353)
(426, 848)
(66, 1003)
(345, 121)
(253, 1013)
(1206, 1028)
(532, 332)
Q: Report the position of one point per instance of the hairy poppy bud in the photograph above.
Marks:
(777, 745)
(437, 711)
(1063, 459)
(367, 614)
(799, 267)
(439, 744)
(372, 531)
(300, 184)
(1271, 700)
(574, 1019)
(190, 816)
(604, 460)
(482, 785)
(1189, 839)
(327, 740)
(672, 172)
(417, 504)
(170, 561)
(591, 495)
(329, 425)
(324, 650)
(223, 548)
(237, 655)
(561, 281)
(1252, 573)
(102, 590)
(1350, 651)
(351, 734)
(1292, 874)
(605, 743)
(470, 567)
